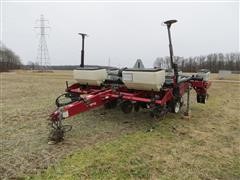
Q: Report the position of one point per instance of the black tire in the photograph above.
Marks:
(136, 107)
(110, 104)
(127, 106)
(198, 98)
(154, 113)
(202, 98)
(175, 106)
(143, 105)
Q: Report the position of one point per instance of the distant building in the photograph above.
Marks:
(138, 64)
(224, 74)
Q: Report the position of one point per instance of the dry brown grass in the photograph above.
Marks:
(234, 77)
(27, 100)
(215, 76)
(206, 146)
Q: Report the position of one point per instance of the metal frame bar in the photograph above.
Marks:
(95, 96)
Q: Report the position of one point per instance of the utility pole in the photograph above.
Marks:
(43, 54)
(82, 51)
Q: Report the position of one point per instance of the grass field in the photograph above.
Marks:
(112, 145)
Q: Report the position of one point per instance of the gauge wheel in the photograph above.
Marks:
(176, 106)
(127, 107)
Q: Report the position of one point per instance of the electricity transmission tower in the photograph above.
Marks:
(42, 53)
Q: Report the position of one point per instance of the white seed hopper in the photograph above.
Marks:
(144, 79)
(90, 76)
(204, 73)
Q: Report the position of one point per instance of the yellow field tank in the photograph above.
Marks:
(91, 76)
(144, 79)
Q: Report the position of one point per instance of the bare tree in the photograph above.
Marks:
(214, 62)
(8, 59)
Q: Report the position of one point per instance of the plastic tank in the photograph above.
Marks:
(90, 76)
(144, 79)
(204, 73)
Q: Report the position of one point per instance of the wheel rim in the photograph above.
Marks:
(177, 107)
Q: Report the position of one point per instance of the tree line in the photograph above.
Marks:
(214, 62)
(8, 59)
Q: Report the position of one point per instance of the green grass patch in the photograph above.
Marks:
(117, 159)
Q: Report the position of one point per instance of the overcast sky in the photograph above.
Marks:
(122, 32)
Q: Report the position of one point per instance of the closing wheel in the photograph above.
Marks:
(158, 112)
(202, 98)
(110, 104)
(136, 107)
(127, 106)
